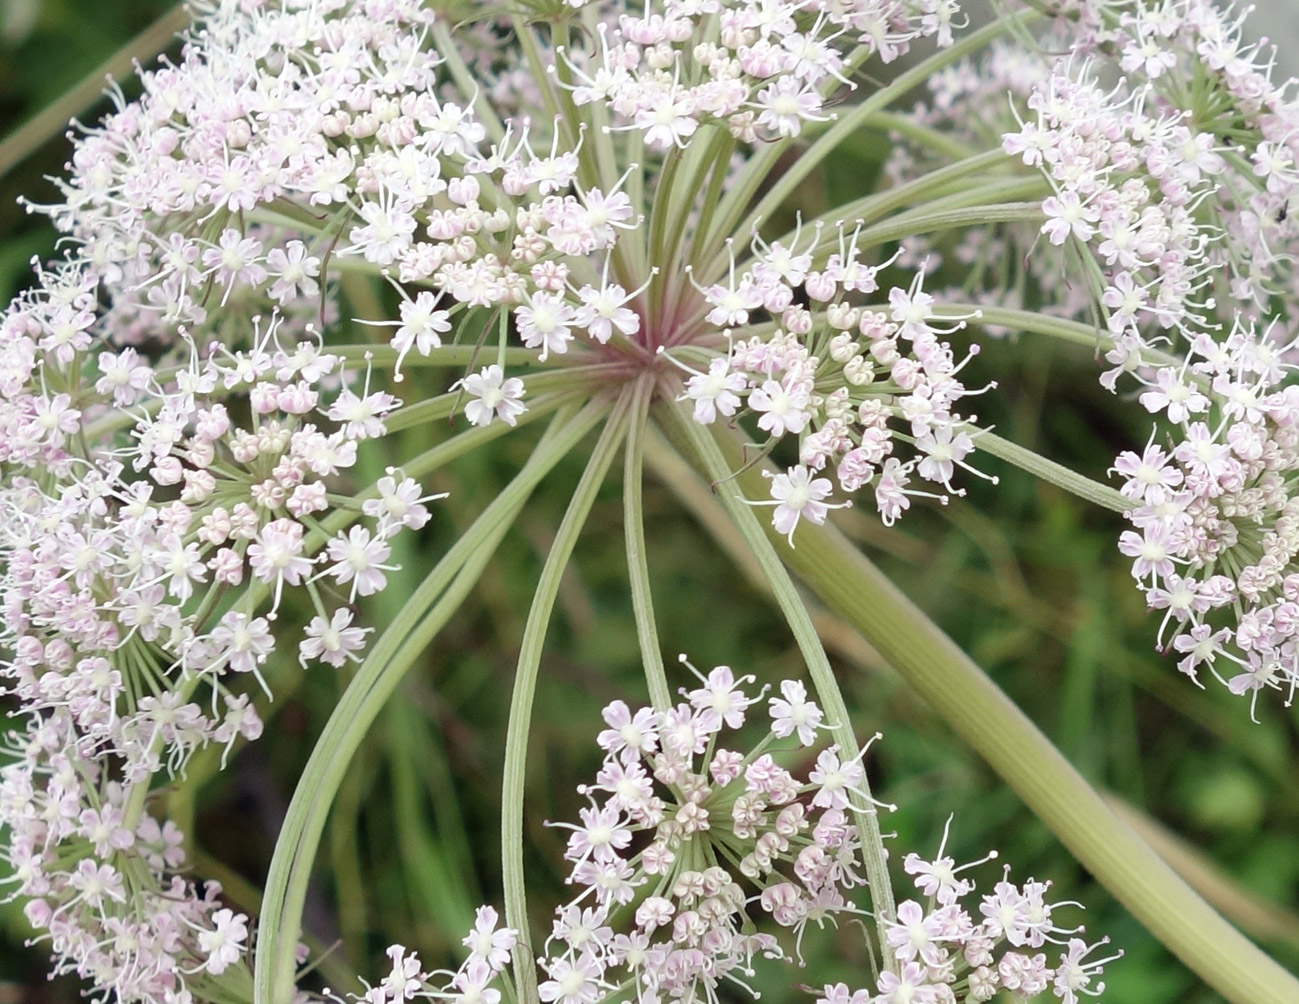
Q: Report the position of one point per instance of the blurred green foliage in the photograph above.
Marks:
(1026, 578)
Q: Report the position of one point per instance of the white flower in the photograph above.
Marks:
(494, 396)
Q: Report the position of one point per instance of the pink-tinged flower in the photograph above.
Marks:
(797, 495)
(224, 944)
(276, 555)
(908, 987)
(835, 779)
(786, 104)
(576, 981)
(716, 392)
(732, 303)
(361, 417)
(783, 406)
(385, 234)
(399, 504)
(242, 641)
(720, 699)
(605, 310)
(334, 641)
(422, 327)
(668, 119)
(493, 396)
(1173, 395)
(295, 272)
(488, 942)
(544, 322)
(793, 712)
(1075, 973)
(1152, 470)
(359, 559)
(943, 453)
(917, 935)
(1067, 215)
(628, 736)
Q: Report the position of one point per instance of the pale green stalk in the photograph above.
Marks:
(390, 656)
(712, 195)
(877, 204)
(697, 161)
(1049, 471)
(943, 143)
(927, 221)
(983, 716)
(651, 653)
(445, 356)
(444, 406)
(537, 66)
(659, 213)
(1062, 328)
(525, 685)
(716, 467)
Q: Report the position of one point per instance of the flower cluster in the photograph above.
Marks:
(142, 575)
(1216, 527)
(836, 376)
(944, 954)
(762, 76)
(1167, 210)
(1181, 198)
(689, 843)
(681, 826)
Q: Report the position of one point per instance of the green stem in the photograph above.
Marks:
(928, 221)
(717, 467)
(525, 685)
(872, 207)
(1066, 330)
(980, 713)
(940, 142)
(446, 405)
(1049, 471)
(468, 87)
(53, 118)
(642, 602)
(389, 658)
(449, 356)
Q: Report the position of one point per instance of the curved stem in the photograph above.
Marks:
(877, 204)
(392, 654)
(651, 653)
(525, 685)
(1049, 471)
(448, 356)
(716, 466)
(926, 221)
(1014, 747)
(1062, 328)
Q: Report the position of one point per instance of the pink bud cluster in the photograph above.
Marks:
(682, 829)
(840, 377)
